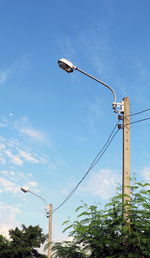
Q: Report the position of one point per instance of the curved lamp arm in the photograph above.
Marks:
(26, 190)
(69, 67)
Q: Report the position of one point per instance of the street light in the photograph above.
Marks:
(69, 67)
(24, 189)
(48, 209)
(123, 108)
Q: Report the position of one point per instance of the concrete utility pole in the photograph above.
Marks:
(50, 231)
(126, 151)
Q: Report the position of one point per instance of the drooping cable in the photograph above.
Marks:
(92, 164)
(95, 161)
(100, 154)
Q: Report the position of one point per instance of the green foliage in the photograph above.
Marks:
(22, 242)
(67, 249)
(4, 243)
(108, 233)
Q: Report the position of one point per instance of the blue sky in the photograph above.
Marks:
(53, 124)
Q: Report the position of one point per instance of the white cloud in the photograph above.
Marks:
(21, 175)
(8, 186)
(146, 174)
(33, 133)
(9, 146)
(3, 77)
(12, 143)
(14, 158)
(32, 183)
(28, 156)
(7, 173)
(2, 146)
(32, 186)
(20, 66)
(23, 126)
(2, 161)
(11, 181)
(7, 217)
(59, 236)
(102, 183)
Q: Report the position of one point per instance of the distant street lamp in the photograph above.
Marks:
(48, 209)
(123, 108)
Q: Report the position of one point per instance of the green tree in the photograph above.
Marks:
(22, 242)
(4, 244)
(67, 249)
(108, 233)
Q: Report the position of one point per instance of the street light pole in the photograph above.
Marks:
(49, 216)
(124, 108)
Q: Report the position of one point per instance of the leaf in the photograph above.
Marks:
(80, 207)
(67, 228)
(65, 222)
(84, 214)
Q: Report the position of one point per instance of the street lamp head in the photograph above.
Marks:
(66, 65)
(24, 189)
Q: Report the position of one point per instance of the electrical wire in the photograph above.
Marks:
(95, 161)
(100, 154)
(92, 164)
(137, 121)
(137, 113)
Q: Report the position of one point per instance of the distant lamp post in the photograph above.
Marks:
(123, 108)
(48, 209)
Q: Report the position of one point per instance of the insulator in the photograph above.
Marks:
(120, 117)
(120, 126)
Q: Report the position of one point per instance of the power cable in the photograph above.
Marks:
(95, 161)
(99, 156)
(137, 121)
(103, 150)
(137, 113)
(92, 164)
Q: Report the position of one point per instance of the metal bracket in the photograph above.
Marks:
(47, 213)
(119, 108)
